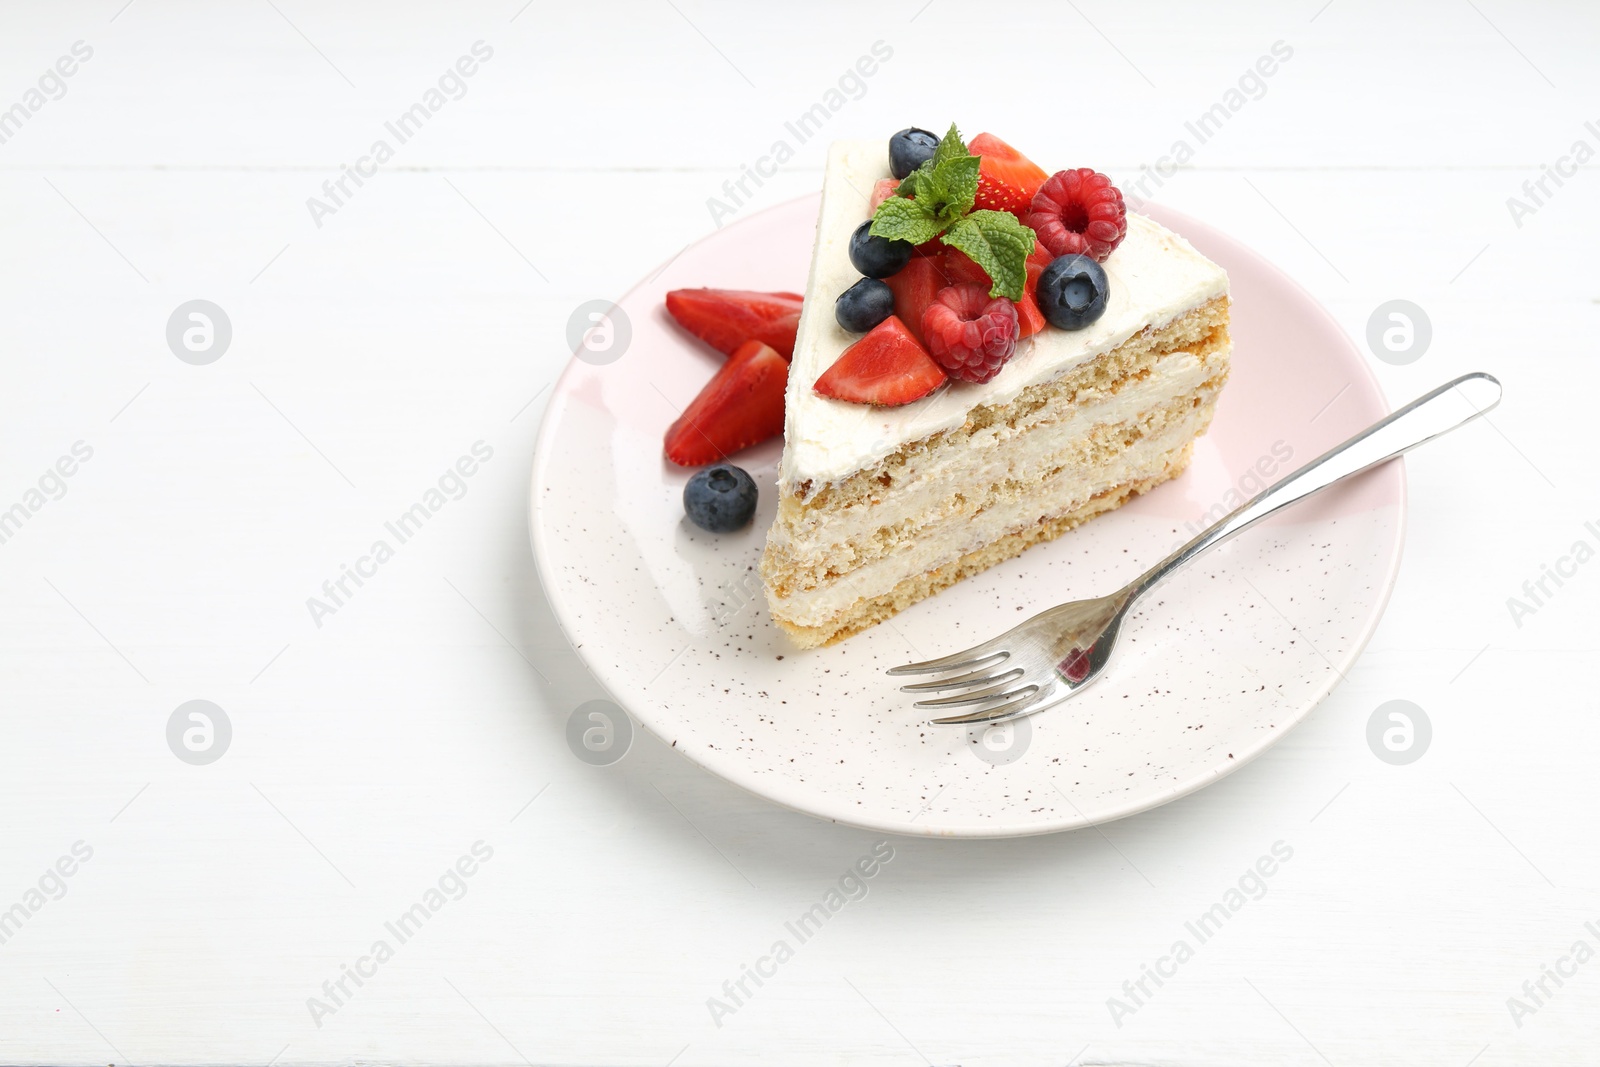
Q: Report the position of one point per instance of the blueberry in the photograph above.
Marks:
(1073, 291)
(720, 499)
(908, 149)
(878, 257)
(864, 305)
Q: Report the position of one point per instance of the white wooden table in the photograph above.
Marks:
(207, 905)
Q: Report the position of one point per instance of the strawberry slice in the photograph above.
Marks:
(727, 318)
(915, 285)
(886, 367)
(1007, 179)
(960, 267)
(742, 405)
(1029, 317)
(1030, 320)
(882, 190)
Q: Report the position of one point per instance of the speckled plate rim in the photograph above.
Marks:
(822, 806)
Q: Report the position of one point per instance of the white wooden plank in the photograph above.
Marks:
(423, 316)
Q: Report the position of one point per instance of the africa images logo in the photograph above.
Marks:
(452, 485)
(52, 85)
(736, 191)
(451, 85)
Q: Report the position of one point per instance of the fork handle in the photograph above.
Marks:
(1451, 405)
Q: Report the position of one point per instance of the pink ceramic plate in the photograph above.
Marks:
(1213, 669)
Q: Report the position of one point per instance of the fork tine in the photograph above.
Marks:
(1007, 709)
(972, 657)
(1003, 691)
(982, 676)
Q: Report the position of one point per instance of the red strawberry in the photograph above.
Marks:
(882, 190)
(1030, 320)
(915, 285)
(960, 267)
(740, 406)
(887, 367)
(1007, 180)
(727, 318)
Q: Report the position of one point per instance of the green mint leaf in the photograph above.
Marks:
(947, 190)
(955, 183)
(999, 244)
(900, 219)
(909, 184)
(951, 147)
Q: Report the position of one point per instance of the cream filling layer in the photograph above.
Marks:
(1155, 275)
(1066, 492)
(924, 490)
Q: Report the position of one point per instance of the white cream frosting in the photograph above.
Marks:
(1155, 276)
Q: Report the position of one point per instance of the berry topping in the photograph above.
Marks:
(887, 367)
(877, 257)
(1073, 291)
(969, 333)
(1007, 179)
(909, 149)
(720, 499)
(727, 318)
(741, 406)
(937, 201)
(1079, 212)
(914, 289)
(864, 305)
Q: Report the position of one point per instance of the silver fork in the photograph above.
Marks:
(1057, 653)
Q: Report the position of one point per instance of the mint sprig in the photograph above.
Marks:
(937, 198)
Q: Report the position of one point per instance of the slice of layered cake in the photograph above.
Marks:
(995, 357)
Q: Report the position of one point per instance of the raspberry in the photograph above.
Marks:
(1079, 212)
(969, 334)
